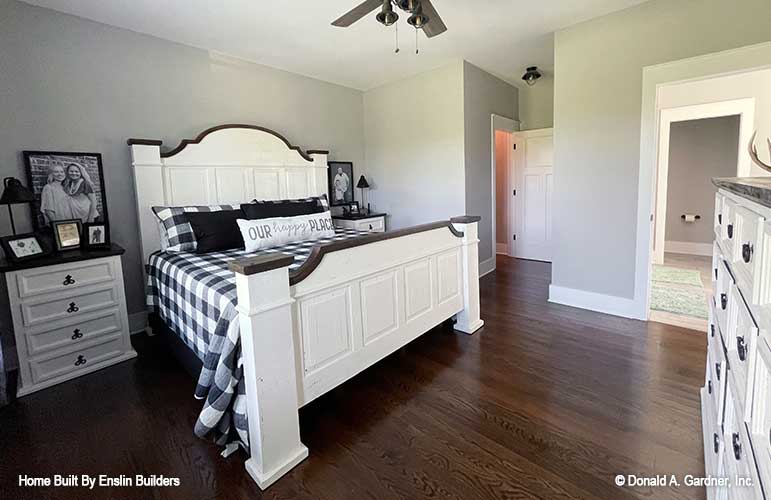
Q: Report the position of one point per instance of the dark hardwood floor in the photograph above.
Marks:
(545, 402)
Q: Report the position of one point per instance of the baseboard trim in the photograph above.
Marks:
(689, 248)
(487, 266)
(607, 304)
(137, 322)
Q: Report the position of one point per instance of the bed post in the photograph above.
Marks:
(468, 320)
(267, 343)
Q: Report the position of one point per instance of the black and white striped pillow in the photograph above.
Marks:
(179, 232)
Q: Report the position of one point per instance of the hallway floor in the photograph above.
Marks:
(698, 263)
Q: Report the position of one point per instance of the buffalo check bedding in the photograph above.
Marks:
(195, 295)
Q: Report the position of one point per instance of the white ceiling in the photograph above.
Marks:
(499, 36)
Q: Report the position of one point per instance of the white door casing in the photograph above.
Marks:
(534, 175)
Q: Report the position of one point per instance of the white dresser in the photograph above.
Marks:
(69, 316)
(736, 415)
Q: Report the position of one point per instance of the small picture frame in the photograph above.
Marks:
(353, 208)
(96, 235)
(22, 247)
(67, 234)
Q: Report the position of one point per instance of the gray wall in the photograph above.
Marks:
(698, 151)
(483, 95)
(414, 147)
(597, 120)
(536, 104)
(71, 84)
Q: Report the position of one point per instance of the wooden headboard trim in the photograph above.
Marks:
(185, 142)
(318, 252)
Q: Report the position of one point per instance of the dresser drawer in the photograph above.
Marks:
(713, 437)
(376, 225)
(760, 414)
(39, 311)
(51, 367)
(67, 277)
(740, 344)
(739, 456)
(718, 223)
(723, 286)
(728, 236)
(747, 259)
(715, 389)
(74, 332)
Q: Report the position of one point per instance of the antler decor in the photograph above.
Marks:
(754, 152)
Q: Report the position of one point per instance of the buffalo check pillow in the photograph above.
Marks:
(179, 232)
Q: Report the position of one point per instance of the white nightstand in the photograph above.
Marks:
(69, 315)
(369, 222)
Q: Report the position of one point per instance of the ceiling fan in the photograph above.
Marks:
(423, 15)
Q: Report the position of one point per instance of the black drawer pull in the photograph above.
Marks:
(712, 330)
(719, 218)
(715, 274)
(709, 386)
(73, 308)
(747, 251)
(370, 227)
(723, 301)
(717, 370)
(68, 280)
(81, 360)
(716, 441)
(737, 446)
(730, 230)
(741, 348)
(77, 334)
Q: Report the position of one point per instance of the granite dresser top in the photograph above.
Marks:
(757, 189)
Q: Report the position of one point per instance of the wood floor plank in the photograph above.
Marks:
(546, 401)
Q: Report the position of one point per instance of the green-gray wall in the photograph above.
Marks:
(536, 104)
(597, 120)
(72, 84)
(483, 96)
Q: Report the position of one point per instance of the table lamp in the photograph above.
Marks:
(14, 193)
(363, 184)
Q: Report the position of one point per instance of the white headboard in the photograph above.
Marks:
(228, 164)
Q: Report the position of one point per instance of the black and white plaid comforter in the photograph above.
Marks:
(195, 294)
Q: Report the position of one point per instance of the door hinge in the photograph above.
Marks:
(515, 193)
(515, 147)
(515, 237)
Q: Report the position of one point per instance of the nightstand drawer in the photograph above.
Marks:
(74, 333)
(38, 281)
(65, 306)
(50, 367)
(376, 225)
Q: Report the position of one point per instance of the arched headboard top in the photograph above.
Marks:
(224, 165)
(241, 134)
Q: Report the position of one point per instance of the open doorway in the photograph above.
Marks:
(501, 145)
(681, 282)
(696, 143)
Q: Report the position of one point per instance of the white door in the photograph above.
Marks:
(534, 165)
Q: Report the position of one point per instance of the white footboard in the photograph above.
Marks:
(351, 304)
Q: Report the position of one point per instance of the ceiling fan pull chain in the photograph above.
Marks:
(397, 38)
(417, 50)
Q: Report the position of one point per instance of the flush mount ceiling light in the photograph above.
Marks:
(531, 75)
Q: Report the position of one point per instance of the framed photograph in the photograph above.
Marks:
(23, 247)
(340, 183)
(66, 186)
(353, 208)
(96, 235)
(67, 234)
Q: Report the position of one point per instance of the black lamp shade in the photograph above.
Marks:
(363, 184)
(14, 192)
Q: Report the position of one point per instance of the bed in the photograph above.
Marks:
(304, 320)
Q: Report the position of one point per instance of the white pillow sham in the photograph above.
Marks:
(266, 233)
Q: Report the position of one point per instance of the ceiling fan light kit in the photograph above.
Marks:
(423, 16)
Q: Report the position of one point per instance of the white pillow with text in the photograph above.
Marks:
(266, 233)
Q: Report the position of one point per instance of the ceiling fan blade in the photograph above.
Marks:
(435, 24)
(357, 13)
